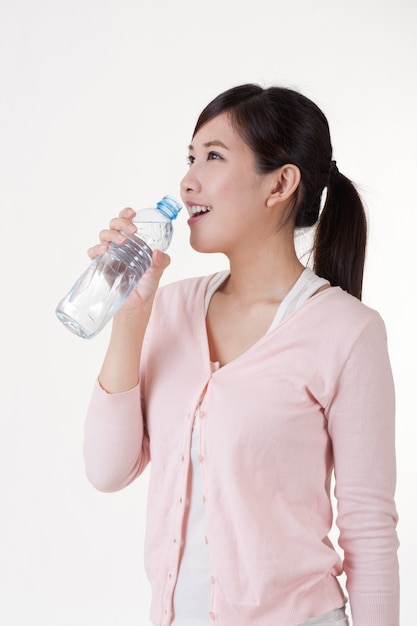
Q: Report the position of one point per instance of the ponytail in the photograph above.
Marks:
(340, 238)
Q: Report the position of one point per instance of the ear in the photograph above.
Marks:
(286, 180)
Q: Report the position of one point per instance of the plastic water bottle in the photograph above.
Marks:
(102, 288)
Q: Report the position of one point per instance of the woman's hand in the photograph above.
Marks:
(148, 284)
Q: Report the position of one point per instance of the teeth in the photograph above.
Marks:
(199, 209)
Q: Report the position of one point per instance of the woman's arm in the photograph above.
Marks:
(120, 370)
(361, 425)
(116, 447)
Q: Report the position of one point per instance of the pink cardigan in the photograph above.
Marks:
(315, 394)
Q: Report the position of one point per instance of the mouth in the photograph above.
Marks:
(198, 209)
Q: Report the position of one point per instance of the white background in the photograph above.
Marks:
(98, 102)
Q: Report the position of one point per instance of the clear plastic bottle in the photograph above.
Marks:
(109, 279)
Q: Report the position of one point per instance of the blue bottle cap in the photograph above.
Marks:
(169, 206)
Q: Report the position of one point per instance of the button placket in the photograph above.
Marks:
(202, 462)
(176, 542)
(174, 559)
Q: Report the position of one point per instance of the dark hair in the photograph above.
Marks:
(282, 126)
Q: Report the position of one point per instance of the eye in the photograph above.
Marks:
(190, 159)
(214, 156)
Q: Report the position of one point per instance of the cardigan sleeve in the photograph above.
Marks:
(361, 426)
(116, 446)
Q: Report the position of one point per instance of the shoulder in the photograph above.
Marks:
(337, 301)
(338, 313)
(345, 347)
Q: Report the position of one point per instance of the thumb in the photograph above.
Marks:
(148, 284)
(160, 262)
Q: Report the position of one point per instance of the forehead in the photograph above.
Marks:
(218, 129)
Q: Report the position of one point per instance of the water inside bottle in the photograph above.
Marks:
(94, 298)
(101, 290)
(156, 234)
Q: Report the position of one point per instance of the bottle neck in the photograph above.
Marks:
(169, 207)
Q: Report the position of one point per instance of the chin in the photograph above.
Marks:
(204, 247)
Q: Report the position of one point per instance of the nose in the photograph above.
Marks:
(190, 182)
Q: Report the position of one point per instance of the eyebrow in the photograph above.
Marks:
(209, 144)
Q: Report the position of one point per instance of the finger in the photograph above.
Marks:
(95, 251)
(160, 260)
(127, 213)
(107, 236)
(149, 282)
(119, 223)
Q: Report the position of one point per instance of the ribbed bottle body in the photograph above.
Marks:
(109, 279)
(103, 287)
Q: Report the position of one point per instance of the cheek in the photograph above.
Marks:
(217, 185)
(232, 193)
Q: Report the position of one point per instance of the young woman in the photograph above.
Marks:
(247, 389)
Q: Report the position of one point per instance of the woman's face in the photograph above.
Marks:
(224, 194)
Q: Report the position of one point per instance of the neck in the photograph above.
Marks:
(263, 274)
